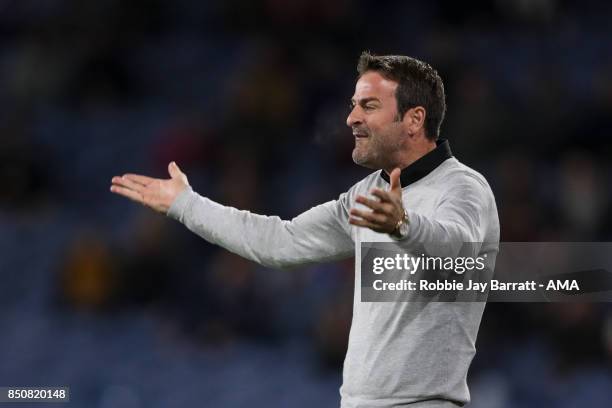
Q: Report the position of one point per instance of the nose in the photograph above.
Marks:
(354, 118)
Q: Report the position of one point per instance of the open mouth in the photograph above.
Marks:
(360, 135)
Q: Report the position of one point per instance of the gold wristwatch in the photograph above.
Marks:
(401, 229)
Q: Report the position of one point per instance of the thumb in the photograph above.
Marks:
(174, 171)
(395, 179)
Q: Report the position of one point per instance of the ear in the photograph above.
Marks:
(414, 120)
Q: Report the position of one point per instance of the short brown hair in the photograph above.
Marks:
(418, 85)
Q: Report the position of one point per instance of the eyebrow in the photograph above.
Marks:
(364, 100)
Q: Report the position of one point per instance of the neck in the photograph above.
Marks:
(412, 155)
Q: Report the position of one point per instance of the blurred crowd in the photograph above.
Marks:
(250, 99)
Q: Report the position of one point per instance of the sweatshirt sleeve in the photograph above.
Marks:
(461, 217)
(320, 234)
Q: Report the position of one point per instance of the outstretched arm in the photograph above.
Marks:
(319, 234)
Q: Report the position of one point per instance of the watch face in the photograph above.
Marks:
(403, 229)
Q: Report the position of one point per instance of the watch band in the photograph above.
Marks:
(401, 228)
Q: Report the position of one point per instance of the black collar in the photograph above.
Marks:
(424, 165)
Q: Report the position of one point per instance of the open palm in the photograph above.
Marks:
(155, 193)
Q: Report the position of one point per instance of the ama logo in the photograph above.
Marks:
(566, 285)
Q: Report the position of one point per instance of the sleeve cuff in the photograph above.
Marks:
(181, 203)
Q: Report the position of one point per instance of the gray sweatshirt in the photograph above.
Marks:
(399, 353)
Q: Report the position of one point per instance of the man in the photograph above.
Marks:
(399, 354)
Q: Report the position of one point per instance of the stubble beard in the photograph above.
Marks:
(373, 152)
(365, 153)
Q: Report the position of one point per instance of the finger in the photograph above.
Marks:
(137, 178)
(363, 223)
(369, 216)
(395, 179)
(126, 192)
(373, 204)
(127, 183)
(384, 196)
(119, 181)
(174, 171)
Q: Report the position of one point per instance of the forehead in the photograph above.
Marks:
(372, 84)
